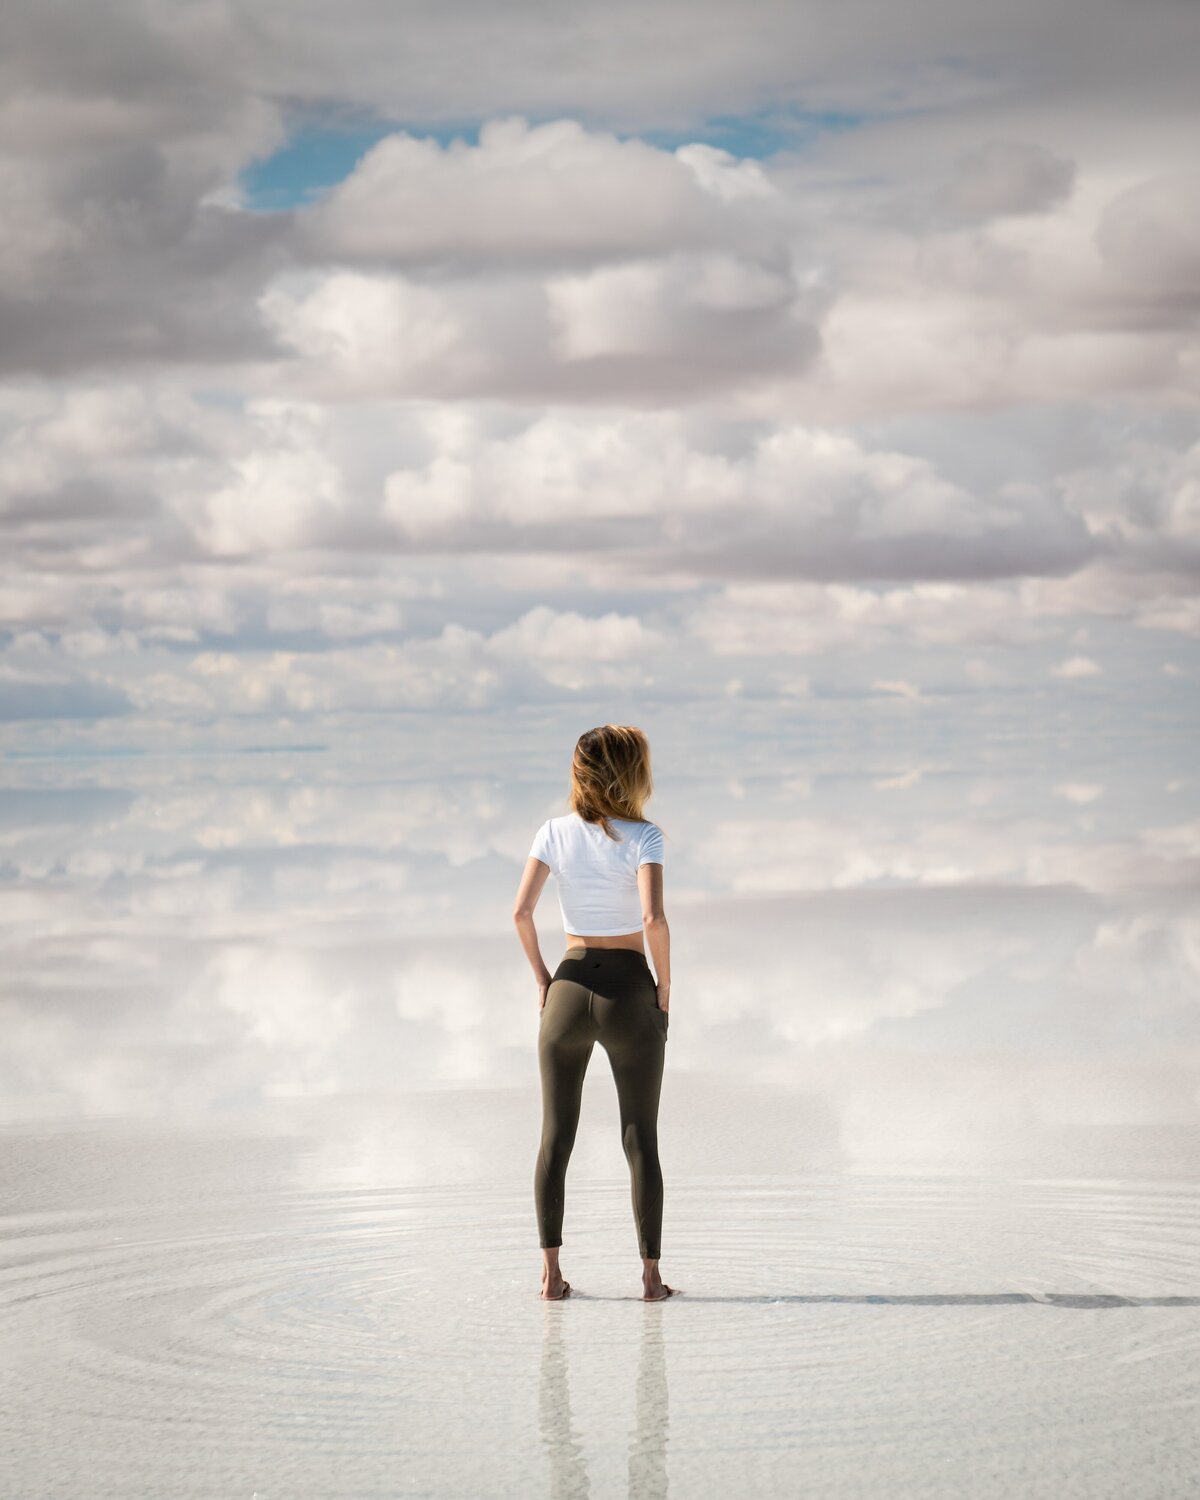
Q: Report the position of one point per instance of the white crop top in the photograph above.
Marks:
(597, 876)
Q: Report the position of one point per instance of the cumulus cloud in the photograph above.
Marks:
(809, 618)
(121, 139)
(456, 668)
(647, 333)
(1077, 791)
(1006, 177)
(756, 854)
(326, 527)
(545, 635)
(1149, 234)
(114, 128)
(793, 501)
(1141, 965)
(553, 195)
(1076, 666)
(1145, 495)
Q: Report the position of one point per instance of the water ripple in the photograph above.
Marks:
(218, 1342)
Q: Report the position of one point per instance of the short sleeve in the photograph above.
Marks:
(651, 851)
(540, 848)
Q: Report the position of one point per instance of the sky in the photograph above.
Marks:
(390, 394)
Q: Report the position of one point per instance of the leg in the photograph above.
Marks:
(637, 1056)
(565, 1041)
(554, 1285)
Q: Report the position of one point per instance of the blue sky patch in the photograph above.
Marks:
(321, 153)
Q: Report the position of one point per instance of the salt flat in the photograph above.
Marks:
(338, 1297)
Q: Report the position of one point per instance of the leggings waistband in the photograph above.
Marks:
(624, 954)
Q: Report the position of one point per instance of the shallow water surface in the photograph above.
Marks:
(344, 1302)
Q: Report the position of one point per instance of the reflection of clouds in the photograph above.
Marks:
(1139, 966)
(842, 466)
(775, 854)
(117, 1003)
(287, 1016)
(424, 858)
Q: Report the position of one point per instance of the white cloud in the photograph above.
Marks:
(809, 618)
(1076, 666)
(325, 530)
(755, 854)
(543, 194)
(374, 332)
(544, 635)
(1078, 791)
(902, 782)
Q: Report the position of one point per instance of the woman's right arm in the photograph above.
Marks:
(654, 922)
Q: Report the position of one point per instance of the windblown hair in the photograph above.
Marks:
(610, 775)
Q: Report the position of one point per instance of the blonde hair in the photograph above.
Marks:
(610, 775)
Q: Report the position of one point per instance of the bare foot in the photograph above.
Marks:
(555, 1288)
(654, 1289)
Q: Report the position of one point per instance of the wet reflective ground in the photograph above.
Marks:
(340, 1299)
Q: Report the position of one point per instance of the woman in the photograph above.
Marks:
(607, 863)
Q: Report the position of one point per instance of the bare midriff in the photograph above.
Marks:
(621, 940)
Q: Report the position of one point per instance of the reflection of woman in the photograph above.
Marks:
(607, 863)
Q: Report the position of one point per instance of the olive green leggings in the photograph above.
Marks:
(606, 995)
